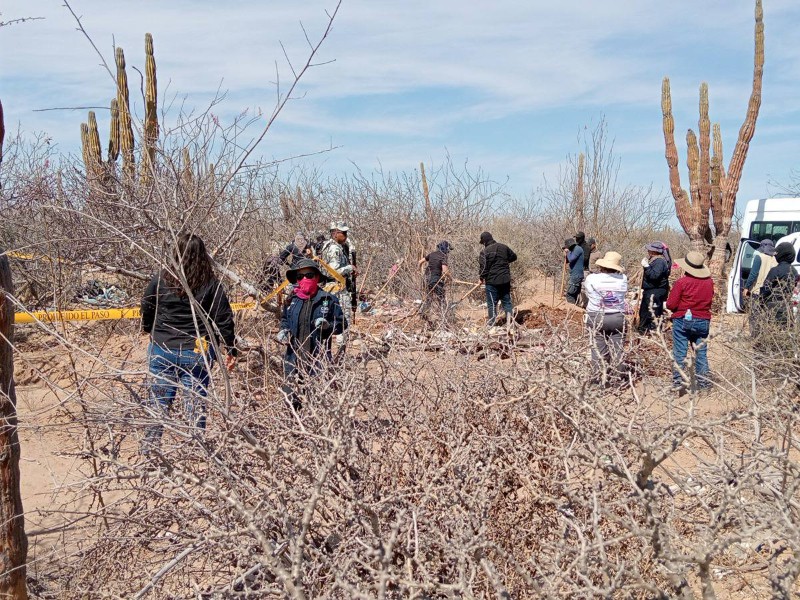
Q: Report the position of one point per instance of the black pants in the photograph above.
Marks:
(574, 288)
(435, 298)
(651, 308)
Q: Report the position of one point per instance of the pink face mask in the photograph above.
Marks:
(306, 288)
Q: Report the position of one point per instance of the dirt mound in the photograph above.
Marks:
(543, 316)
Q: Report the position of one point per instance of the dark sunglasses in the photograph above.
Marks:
(310, 275)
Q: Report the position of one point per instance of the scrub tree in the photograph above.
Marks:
(13, 542)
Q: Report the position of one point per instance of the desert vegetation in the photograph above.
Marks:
(432, 461)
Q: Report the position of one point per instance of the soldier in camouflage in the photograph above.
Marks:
(336, 252)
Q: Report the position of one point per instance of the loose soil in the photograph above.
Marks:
(52, 460)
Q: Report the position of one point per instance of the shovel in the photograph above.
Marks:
(464, 297)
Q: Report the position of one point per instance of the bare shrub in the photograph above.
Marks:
(425, 464)
(620, 216)
(431, 466)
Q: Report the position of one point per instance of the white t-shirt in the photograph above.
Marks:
(606, 292)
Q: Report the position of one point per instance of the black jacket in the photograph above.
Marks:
(587, 255)
(169, 320)
(656, 275)
(580, 240)
(325, 306)
(776, 293)
(493, 263)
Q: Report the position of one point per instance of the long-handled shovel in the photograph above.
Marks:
(464, 297)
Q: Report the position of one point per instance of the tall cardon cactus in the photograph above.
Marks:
(150, 108)
(121, 140)
(113, 135)
(125, 124)
(93, 142)
(712, 191)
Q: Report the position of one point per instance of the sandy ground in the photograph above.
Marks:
(51, 468)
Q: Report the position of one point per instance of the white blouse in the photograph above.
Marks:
(606, 292)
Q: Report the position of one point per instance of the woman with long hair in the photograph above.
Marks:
(186, 312)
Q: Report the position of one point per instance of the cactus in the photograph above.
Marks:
(113, 134)
(717, 171)
(693, 163)
(90, 145)
(124, 108)
(286, 209)
(120, 139)
(150, 107)
(212, 176)
(427, 196)
(87, 161)
(683, 207)
(704, 189)
(730, 182)
(712, 190)
(298, 201)
(187, 175)
(94, 142)
(580, 194)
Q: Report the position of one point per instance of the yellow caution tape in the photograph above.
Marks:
(112, 314)
(100, 314)
(276, 291)
(242, 305)
(103, 314)
(340, 282)
(23, 256)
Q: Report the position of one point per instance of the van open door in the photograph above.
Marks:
(740, 270)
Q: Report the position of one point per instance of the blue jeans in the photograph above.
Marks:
(683, 333)
(498, 293)
(169, 369)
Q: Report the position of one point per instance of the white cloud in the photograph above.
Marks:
(412, 75)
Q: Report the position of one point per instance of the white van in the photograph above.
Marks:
(775, 218)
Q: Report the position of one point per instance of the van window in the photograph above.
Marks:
(775, 230)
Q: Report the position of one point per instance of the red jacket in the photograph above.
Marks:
(691, 293)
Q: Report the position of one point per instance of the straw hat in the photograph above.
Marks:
(694, 264)
(611, 261)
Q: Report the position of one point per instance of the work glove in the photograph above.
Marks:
(645, 263)
(283, 336)
(346, 270)
(322, 324)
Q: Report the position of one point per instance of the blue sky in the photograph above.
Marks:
(505, 84)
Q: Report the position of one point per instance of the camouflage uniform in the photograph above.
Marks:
(334, 254)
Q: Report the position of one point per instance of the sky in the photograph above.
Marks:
(505, 85)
